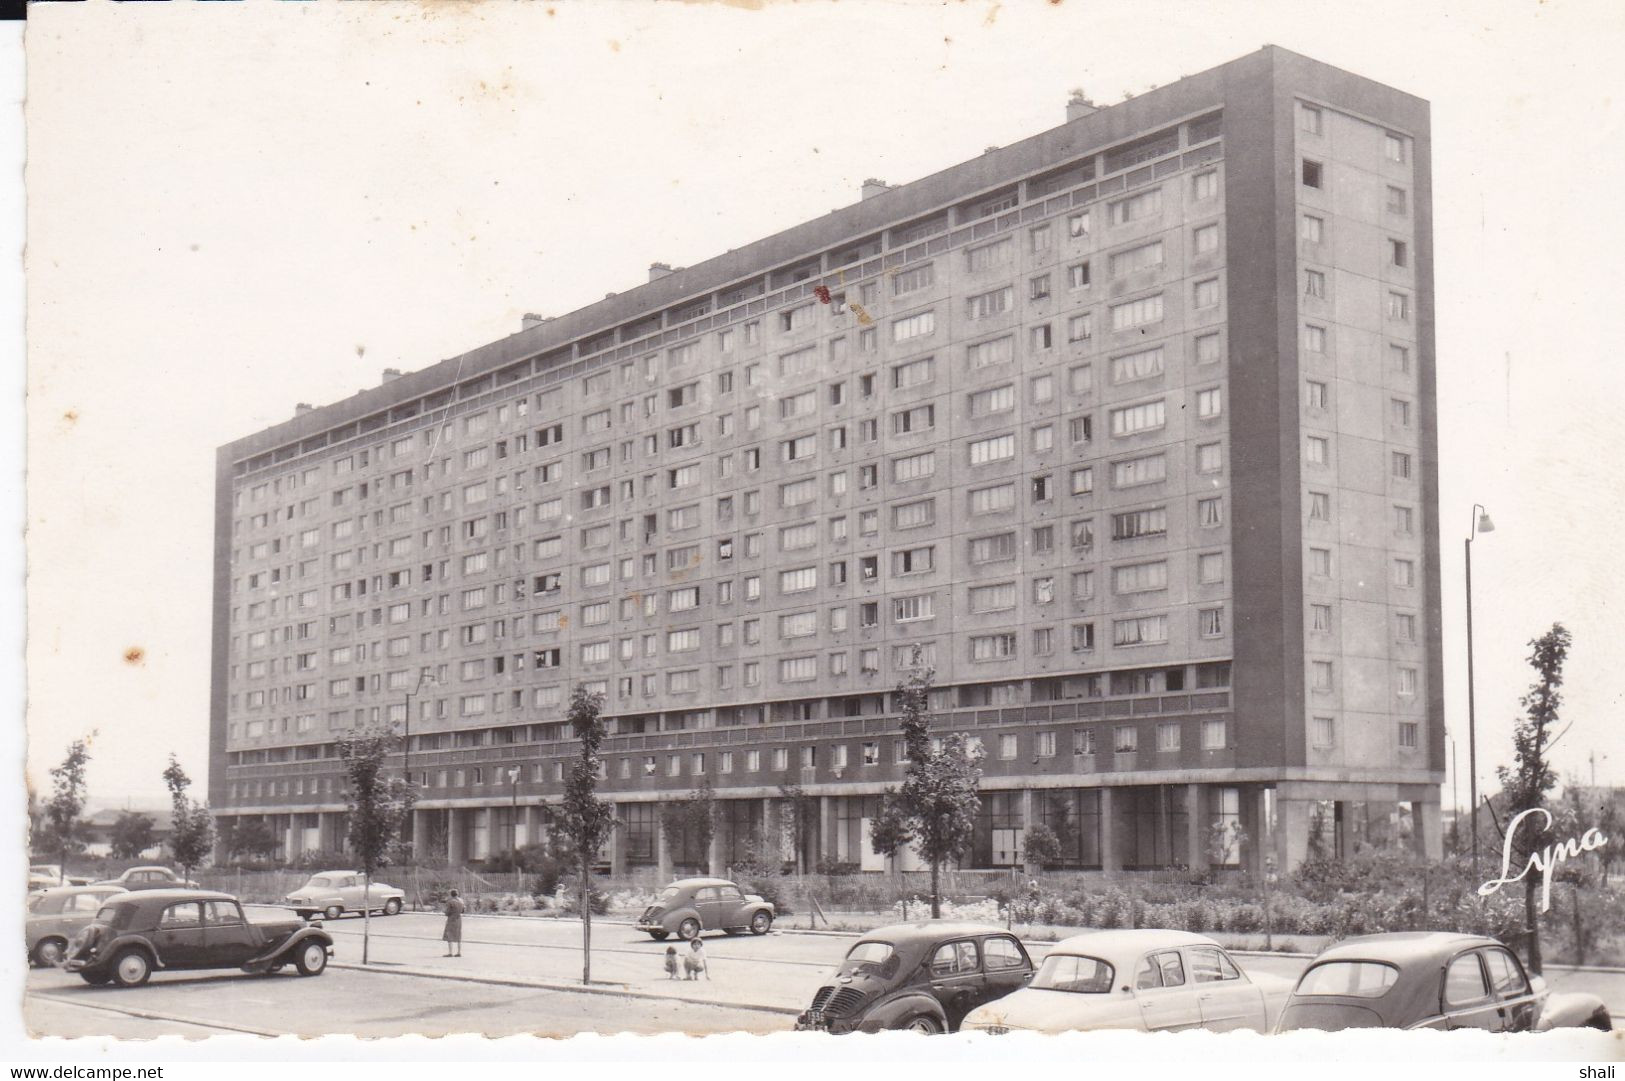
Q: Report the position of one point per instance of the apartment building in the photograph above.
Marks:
(1126, 431)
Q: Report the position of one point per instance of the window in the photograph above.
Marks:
(912, 609)
(798, 580)
(1040, 338)
(1314, 283)
(1309, 119)
(1320, 618)
(1083, 640)
(918, 325)
(799, 492)
(995, 449)
(1040, 237)
(1140, 577)
(798, 669)
(1083, 480)
(915, 466)
(1077, 275)
(1038, 287)
(1205, 185)
(1083, 585)
(1323, 732)
(1320, 562)
(1393, 147)
(1080, 327)
(1080, 429)
(1316, 450)
(1398, 201)
(1311, 174)
(1081, 379)
(993, 598)
(1143, 470)
(1401, 465)
(1139, 257)
(1144, 630)
(1210, 512)
(985, 305)
(1210, 622)
(1168, 737)
(1405, 626)
(1399, 306)
(1078, 225)
(1210, 568)
(998, 498)
(1139, 365)
(1150, 522)
(914, 515)
(1311, 229)
(1206, 239)
(992, 647)
(1314, 339)
(1208, 403)
(913, 561)
(1320, 675)
(1399, 359)
(913, 373)
(1398, 253)
(1125, 739)
(1404, 520)
(986, 256)
(1320, 507)
(984, 354)
(1317, 394)
(1400, 410)
(993, 400)
(993, 549)
(1146, 204)
(1215, 735)
(913, 279)
(1406, 681)
(1137, 418)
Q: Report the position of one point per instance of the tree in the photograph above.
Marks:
(133, 834)
(691, 822)
(249, 836)
(799, 823)
(936, 808)
(1525, 783)
(1041, 847)
(379, 805)
(68, 801)
(585, 821)
(191, 835)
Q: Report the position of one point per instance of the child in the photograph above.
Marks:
(694, 960)
(671, 962)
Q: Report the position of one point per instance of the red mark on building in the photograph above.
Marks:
(822, 293)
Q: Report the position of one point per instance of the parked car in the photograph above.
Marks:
(1149, 980)
(38, 883)
(136, 933)
(56, 915)
(149, 878)
(921, 977)
(333, 893)
(1431, 979)
(691, 905)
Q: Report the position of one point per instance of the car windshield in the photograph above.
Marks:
(867, 955)
(670, 892)
(320, 880)
(1361, 979)
(1080, 975)
(113, 914)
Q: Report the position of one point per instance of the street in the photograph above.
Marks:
(516, 975)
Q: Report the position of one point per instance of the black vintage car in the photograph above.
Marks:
(135, 933)
(921, 977)
(1434, 980)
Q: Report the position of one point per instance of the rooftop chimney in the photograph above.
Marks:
(873, 187)
(658, 271)
(1079, 105)
(531, 319)
(390, 375)
(302, 408)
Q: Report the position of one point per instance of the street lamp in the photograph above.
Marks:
(406, 738)
(513, 814)
(1481, 524)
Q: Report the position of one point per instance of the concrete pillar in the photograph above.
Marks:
(324, 838)
(662, 851)
(1427, 834)
(420, 834)
(714, 857)
(1196, 827)
(533, 824)
(1029, 819)
(1255, 824)
(290, 836)
(222, 823)
(1342, 849)
(825, 846)
(773, 828)
(1110, 860)
(1291, 833)
(617, 844)
(456, 837)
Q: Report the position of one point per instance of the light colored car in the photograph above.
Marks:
(691, 905)
(1150, 980)
(333, 893)
(149, 878)
(56, 915)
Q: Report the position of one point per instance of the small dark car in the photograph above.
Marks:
(56, 915)
(1433, 980)
(149, 878)
(920, 977)
(691, 905)
(135, 933)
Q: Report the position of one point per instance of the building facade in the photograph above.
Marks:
(1126, 431)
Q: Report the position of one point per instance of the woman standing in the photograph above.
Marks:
(453, 934)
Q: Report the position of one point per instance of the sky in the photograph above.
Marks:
(235, 208)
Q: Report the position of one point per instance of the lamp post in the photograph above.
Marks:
(513, 815)
(406, 736)
(1481, 524)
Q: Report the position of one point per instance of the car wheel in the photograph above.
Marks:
(392, 906)
(333, 912)
(924, 1024)
(48, 952)
(689, 929)
(311, 959)
(131, 968)
(659, 936)
(760, 923)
